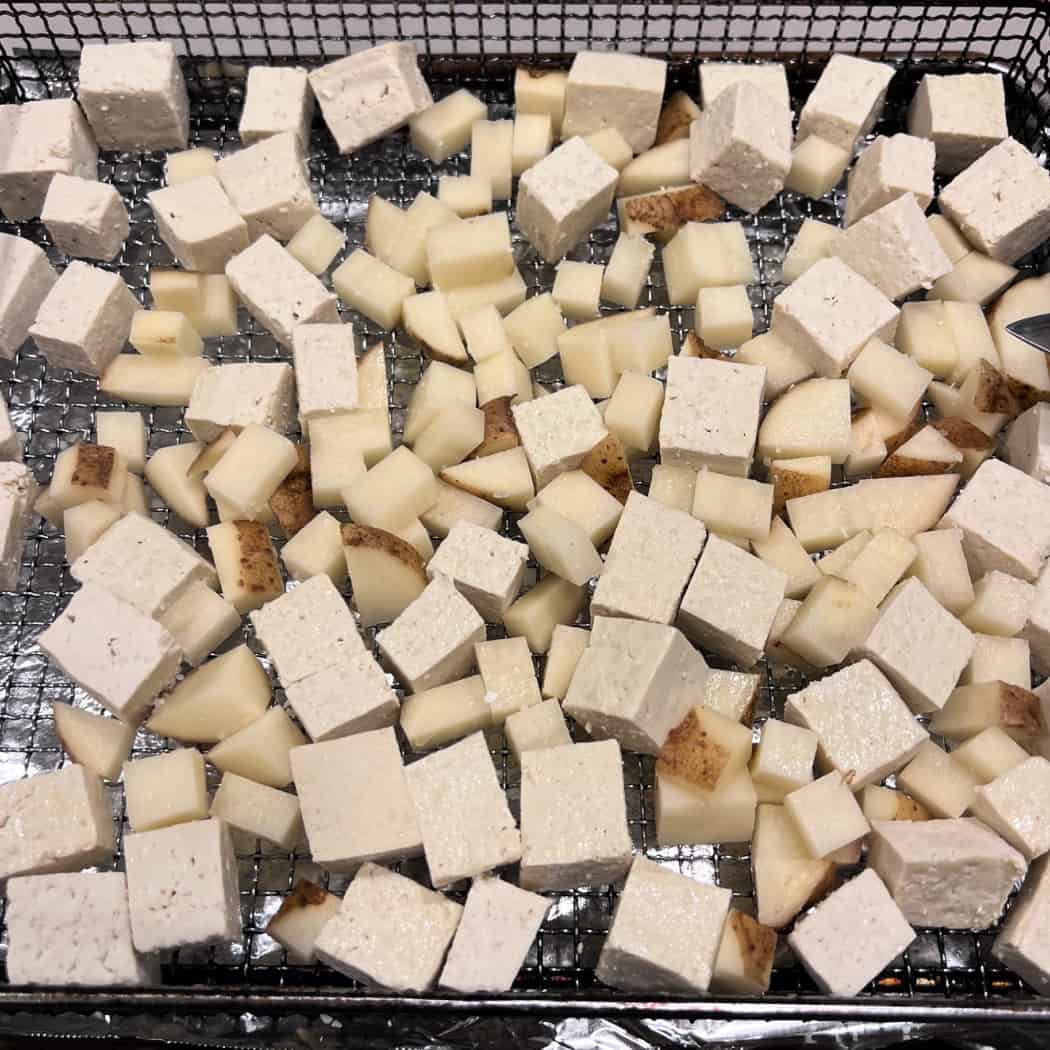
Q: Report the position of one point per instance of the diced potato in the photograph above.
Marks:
(1001, 605)
(723, 316)
(800, 476)
(811, 419)
(300, 919)
(1024, 366)
(923, 334)
(990, 754)
(531, 141)
(836, 562)
(341, 447)
(454, 505)
(999, 660)
(484, 333)
(588, 362)
(927, 452)
(216, 313)
(125, 432)
(533, 329)
(292, 502)
(492, 154)
(664, 212)
(83, 473)
(864, 459)
(259, 752)
(46, 506)
(673, 486)
(656, 169)
(316, 548)
(451, 436)
(448, 712)
(577, 496)
(560, 545)
(811, 244)
(881, 803)
(972, 337)
(784, 365)
(607, 464)
(942, 785)
(744, 963)
(502, 375)
(503, 478)
(706, 255)
(834, 618)
(142, 380)
(882, 561)
(471, 251)
(689, 814)
(952, 242)
(444, 129)
(85, 523)
(643, 346)
(210, 454)
(782, 550)
(417, 537)
(259, 811)
(816, 167)
(941, 565)
(976, 278)
(889, 379)
(984, 399)
(541, 90)
(827, 814)
(536, 613)
(168, 471)
(372, 287)
(428, 320)
(175, 290)
(501, 432)
(248, 474)
(165, 789)
(577, 289)
(189, 164)
(164, 332)
(246, 563)
(135, 501)
(973, 708)
(707, 750)
(732, 506)
(199, 620)
(566, 649)
(393, 493)
(466, 195)
(627, 271)
(633, 412)
(397, 239)
(504, 293)
(426, 212)
(386, 573)
(611, 146)
(678, 114)
(316, 243)
(97, 743)
(440, 385)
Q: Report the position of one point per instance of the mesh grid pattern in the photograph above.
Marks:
(474, 45)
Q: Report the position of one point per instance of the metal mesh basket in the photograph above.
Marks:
(476, 45)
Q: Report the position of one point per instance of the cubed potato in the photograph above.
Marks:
(942, 785)
(188, 164)
(800, 476)
(167, 380)
(836, 562)
(165, 789)
(531, 140)
(501, 432)
(502, 375)
(504, 478)
(975, 278)
(445, 713)
(881, 803)
(492, 154)
(316, 244)
(732, 506)
(372, 287)
(663, 212)
(835, 617)
(952, 242)
(687, 814)
(705, 255)
(386, 573)
(577, 289)
(633, 412)
(941, 566)
(84, 523)
(470, 252)
(164, 332)
(643, 346)
(973, 708)
(826, 814)
(817, 167)
(783, 760)
(607, 464)
(300, 919)
(259, 811)
(292, 502)
(217, 312)
(972, 337)
(316, 548)
(442, 130)
(454, 505)
(440, 385)
(811, 243)
(990, 754)
(175, 290)
(923, 333)
(259, 752)
(210, 454)
(429, 321)
(567, 646)
(484, 333)
(199, 620)
(611, 146)
(677, 115)
(926, 452)
(560, 545)
(707, 750)
(466, 195)
(398, 239)
(393, 493)
(673, 486)
(97, 743)
(504, 293)
(627, 271)
(126, 432)
(811, 419)
(533, 329)
(885, 377)
(83, 473)
(723, 316)
(450, 436)
(168, 473)
(784, 365)
(1001, 605)
(577, 496)
(782, 550)
(342, 447)
(536, 613)
(136, 500)
(248, 474)
(246, 563)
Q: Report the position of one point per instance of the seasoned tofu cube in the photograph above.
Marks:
(826, 940)
(846, 102)
(165, 789)
(564, 196)
(665, 932)
(783, 760)
(443, 129)
(276, 99)
(462, 812)
(826, 814)
(365, 939)
(341, 785)
(887, 169)
(246, 562)
(300, 919)
(816, 166)
(706, 255)
(85, 218)
(573, 816)
(577, 289)
(627, 271)
(943, 785)
(964, 116)
(28, 278)
(1022, 943)
(366, 95)
(687, 814)
(1016, 804)
(198, 222)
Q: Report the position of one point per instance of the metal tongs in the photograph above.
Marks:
(1035, 331)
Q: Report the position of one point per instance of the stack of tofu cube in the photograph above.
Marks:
(588, 533)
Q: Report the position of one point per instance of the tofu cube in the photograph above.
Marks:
(541, 90)
(134, 95)
(1016, 805)
(852, 935)
(816, 166)
(487, 569)
(963, 115)
(826, 814)
(1022, 943)
(443, 129)
(85, 218)
(112, 651)
(466, 195)
(783, 760)
(18, 494)
(84, 320)
(724, 319)
(1037, 628)
(28, 277)
(343, 785)
(495, 933)
(634, 683)
(894, 249)
(59, 821)
(366, 95)
(811, 243)
(279, 292)
(432, 641)
(246, 562)
(510, 682)
(237, 395)
(706, 255)
(182, 886)
(492, 155)
(72, 930)
(564, 196)
(741, 148)
(389, 931)
(277, 99)
(710, 414)
(1004, 516)
(558, 431)
(614, 89)
(940, 783)
(830, 313)
(889, 168)
(165, 789)
(736, 628)
(538, 726)
(300, 919)
(846, 102)
(627, 271)
(665, 932)
(573, 817)
(325, 371)
(691, 815)
(198, 222)
(919, 860)
(577, 289)
(1028, 442)
(42, 139)
(972, 200)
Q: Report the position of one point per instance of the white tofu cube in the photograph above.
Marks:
(325, 371)
(1001, 202)
(134, 95)
(846, 102)
(783, 760)
(59, 821)
(650, 560)
(182, 886)
(741, 147)
(343, 787)
(443, 129)
(608, 88)
(665, 932)
(276, 99)
(72, 930)
(278, 291)
(1022, 943)
(557, 431)
(577, 289)
(827, 814)
(964, 115)
(43, 138)
(737, 627)
(852, 935)
(830, 313)
(771, 77)
(1017, 806)
(541, 725)
(268, 184)
(389, 931)
(889, 168)
(894, 249)
(432, 641)
(573, 816)
(706, 255)
(724, 319)
(634, 682)
(84, 320)
(237, 395)
(1004, 516)
(564, 196)
(911, 625)
(368, 94)
(28, 279)
(1028, 442)
(85, 218)
(494, 935)
(487, 569)
(510, 682)
(199, 223)
(816, 166)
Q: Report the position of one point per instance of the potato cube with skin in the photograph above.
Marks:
(370, 286)
(633, 412)
(663, 212)
(246, 563)
(627, 271)
(889, 379)
(665, 932)
(1015, 806)
(429, 321)
(706, 750)
(942, 784)
(826, 814)
(887, 169)
(533, 329)
(577, 289)
(563, 197)
(443, 129)
(531, 142)
(724, 318)
(816, 166)
(742, 133)
(492, 154)
(799, 476)
(731, 506)
(783, 760)
(974, 707)
(386, 572)
(467, 195)
(165, 789)
(260, 751)
(85, 218)
(706, 255)
(124, 432)
(744, 964)
(686, 814)
(884, 804)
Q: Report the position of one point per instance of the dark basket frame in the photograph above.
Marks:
(946, 976)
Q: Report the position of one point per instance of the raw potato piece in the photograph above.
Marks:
(541, 90)
(816, 166)
(169, 473)
(663, 212)
(503, 478)
(259, 752)
(386, 573)
(944, 786)
(811, 419)
(492, 154)
(532, 141)
(427, 319)
(199, 620)
(834, 618)
(100, 745)
(678, 113)
(371, 286)
(826, 814)
(627, 271)
(467, 195)
(165, 789)
(315, 244)
(801, 476)
(535, 614)
(706, 750)
(444, 128)
(84, 524)
(744, 964)
(811, 244)
(533, 329)
(246, 563)
(393, 493)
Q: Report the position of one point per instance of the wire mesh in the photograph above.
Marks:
(475, 46)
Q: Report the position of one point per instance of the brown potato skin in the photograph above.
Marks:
(501, 432)
(607, 464)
